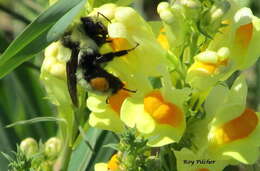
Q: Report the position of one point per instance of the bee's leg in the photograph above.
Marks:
(110, 56)
(71, 69)
(131, 91)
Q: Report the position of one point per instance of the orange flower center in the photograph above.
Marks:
(244, 35)
(116, 100)
(113, 163)
(162, 39)
(208, 67)
(161, 111)
(118, 44)
(238, 128)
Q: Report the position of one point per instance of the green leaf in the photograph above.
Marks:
(36, 120)
(45, 29)
(83, 159)
(98, 3)
(4, 42)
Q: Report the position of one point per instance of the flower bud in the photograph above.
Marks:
(207, 57)
(243, 16)
(55, 58)
(191, 7)
(52, 147)
(219, 10)
(223, 53)
(29, 147)
(165, 12)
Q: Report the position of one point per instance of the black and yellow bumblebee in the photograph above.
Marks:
(84, 66)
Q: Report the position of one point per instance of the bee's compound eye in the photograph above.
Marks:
(99, 84)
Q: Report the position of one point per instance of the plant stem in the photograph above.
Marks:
(66, 157)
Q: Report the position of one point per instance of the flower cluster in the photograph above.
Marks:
(178, 71)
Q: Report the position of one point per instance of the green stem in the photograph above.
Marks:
(71, 136)
(66, 157)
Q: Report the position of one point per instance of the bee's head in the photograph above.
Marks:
(95, 29)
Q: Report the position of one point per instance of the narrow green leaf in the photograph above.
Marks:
(41, 32)
(35, 120)
(82, 155)
(83, 159)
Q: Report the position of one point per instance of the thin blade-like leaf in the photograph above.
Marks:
(83, 159)
(36, 120)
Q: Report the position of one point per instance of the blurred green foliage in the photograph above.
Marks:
(23, 97)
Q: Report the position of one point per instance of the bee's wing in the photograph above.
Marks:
(71, 69)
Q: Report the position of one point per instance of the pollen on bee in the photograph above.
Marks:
(99, 84)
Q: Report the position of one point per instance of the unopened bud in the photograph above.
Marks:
(223, 53)
(243, 16)
(207, 57)
(29, 147)
(219, 10)
(192, 8)
(52, 147)
(163, 6)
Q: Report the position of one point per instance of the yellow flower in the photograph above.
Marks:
(234, 131)
(241, 36)
(158, 114)
(112, 165)
(106, 115)
(208, 68)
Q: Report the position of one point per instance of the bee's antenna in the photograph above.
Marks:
(98, 13)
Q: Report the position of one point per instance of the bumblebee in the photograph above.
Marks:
(85, 64)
